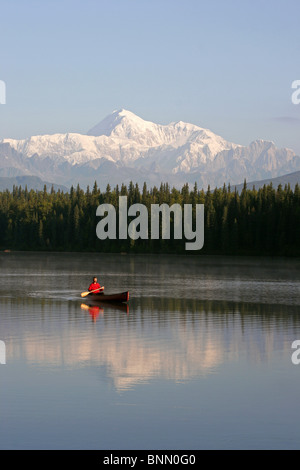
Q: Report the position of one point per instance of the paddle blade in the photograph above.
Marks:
(84, 294)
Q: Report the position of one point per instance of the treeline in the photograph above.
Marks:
(262, 222)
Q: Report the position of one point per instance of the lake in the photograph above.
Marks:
(200, 358)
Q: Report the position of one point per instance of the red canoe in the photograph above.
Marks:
(122, 297)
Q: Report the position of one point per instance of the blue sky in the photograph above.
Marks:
(227, 66)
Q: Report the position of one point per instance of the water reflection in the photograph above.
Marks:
(93, 310)
(98, 308)
(175, 339)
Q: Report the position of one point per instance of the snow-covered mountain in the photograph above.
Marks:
(124, 147)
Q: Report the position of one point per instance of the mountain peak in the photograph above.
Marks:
(124, 112)
(121, 117)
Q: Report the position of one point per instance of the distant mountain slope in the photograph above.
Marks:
(291, 178)
(124, 147)
(32, 182)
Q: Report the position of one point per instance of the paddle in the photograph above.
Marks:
(84, 294)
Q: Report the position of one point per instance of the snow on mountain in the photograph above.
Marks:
(125, 146)
(124, 137)
(125, 127)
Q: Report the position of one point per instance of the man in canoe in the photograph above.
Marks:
(95, 286)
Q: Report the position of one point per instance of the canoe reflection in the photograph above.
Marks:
(96, 310)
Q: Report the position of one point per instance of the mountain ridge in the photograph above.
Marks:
(124, 147)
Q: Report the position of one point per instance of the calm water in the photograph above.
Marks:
(201, 359)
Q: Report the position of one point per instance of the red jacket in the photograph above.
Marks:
(94, 286)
